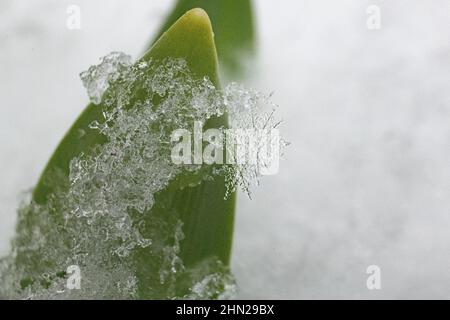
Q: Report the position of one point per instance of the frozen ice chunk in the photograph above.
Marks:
(103, 216)
(97, 78)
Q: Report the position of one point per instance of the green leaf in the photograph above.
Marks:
(207, 218)
(233, 25)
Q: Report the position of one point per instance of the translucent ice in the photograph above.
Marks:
(106, 203)
(96, 79)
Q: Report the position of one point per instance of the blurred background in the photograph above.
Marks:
(366, 107)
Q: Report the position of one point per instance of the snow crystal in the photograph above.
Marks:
(107, 202)
(96, 79)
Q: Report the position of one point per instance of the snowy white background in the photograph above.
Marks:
(367, 177)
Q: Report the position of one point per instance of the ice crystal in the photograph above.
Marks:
(107, 200)
(211, 280)
(97, 78)
(253, 122)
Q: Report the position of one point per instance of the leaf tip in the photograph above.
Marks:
(198, 16)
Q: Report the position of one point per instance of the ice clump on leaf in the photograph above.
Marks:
(107, 201)
(96, 79)
(253, 123)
